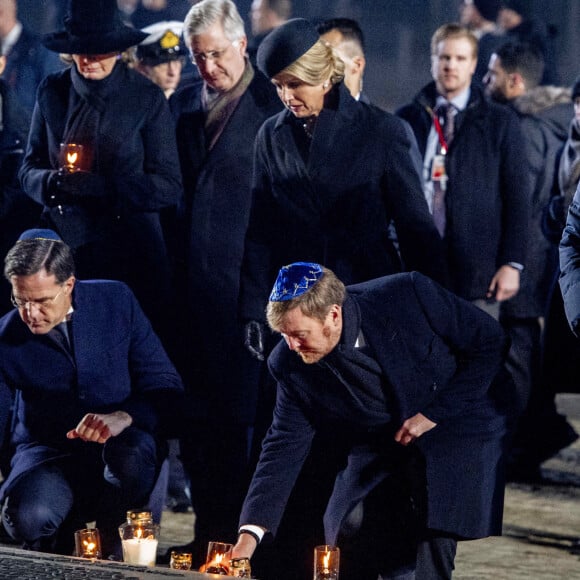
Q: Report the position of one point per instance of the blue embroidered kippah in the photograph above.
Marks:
(39, 234)
(294, 280)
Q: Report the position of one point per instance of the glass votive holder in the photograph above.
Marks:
(326, 562)
(180, 560)
(88, 544)
(240, 568)
(139, 538)
(217, 558)
(71, 157)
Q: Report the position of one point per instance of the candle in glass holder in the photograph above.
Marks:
(216, 561)
(240, 568)
(326, 562)
(139, 539)
(88, 543)
(71, 157)
(180, 560)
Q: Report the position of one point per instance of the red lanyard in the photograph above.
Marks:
(439, 130)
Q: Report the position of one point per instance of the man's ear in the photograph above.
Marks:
(69, 285)
(360, 63)
(335, 313)
(516, 80)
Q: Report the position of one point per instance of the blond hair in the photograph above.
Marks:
(316, 302)
(452, 30)
(317, 65)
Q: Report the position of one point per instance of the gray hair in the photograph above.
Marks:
(28, 257)
(206, 13)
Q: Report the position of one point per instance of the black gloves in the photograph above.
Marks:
(254, 332)
(70, 188)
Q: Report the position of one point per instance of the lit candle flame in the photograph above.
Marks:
(72, 158)
(89, 546)
(325, 560)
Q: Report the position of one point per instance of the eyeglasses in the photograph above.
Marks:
(213, 55)
(42, 304)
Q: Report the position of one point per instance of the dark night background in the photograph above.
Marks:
(397, 36)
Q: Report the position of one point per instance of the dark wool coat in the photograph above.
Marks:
(438, 355)
(17, 211)
(137, 160)
(210, 238)
(569, 271)
(488, 192)
(28, 63)
(335, 209)
(544, 114)
(118, 364)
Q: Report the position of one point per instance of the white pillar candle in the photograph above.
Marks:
(140, 551)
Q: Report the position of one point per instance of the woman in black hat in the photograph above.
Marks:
(106, 198)
(330, 175)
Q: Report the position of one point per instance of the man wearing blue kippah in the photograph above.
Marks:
(404, 376)
(92, 385)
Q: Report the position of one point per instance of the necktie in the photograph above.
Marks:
(60, 336)
(446, 116)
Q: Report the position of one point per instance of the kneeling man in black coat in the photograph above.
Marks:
(401, 372)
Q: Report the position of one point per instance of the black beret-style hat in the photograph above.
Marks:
(93, 27)
(285, 45)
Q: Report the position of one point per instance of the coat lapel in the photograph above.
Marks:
(383, 336)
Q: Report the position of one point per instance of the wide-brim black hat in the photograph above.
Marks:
(93, 27)
(285, 45)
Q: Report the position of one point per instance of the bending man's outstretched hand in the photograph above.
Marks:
(413, 428)
(98, 428)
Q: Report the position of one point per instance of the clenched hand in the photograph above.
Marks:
(98, 428)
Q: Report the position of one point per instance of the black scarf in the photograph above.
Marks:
(87, 103)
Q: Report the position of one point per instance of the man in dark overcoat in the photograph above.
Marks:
(217, 119)
(487, 198)
(544, 112)
(93, 387)
(17, 211)
(400, 371)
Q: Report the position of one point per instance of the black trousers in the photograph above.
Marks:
(385, 536)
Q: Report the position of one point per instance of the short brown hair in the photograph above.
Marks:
(315, 302)
(452, 30)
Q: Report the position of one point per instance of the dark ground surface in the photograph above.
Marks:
(541, 538)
